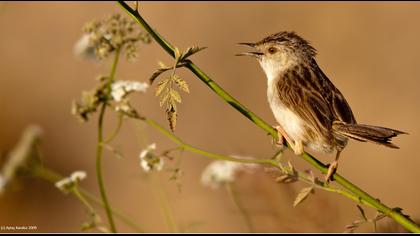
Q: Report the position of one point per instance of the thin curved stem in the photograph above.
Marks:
(99, 152)
(188, 147)
(99, 149)
(52, 176)
(84, 201)
(271, 162)
(362, 195)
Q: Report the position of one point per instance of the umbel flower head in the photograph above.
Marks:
(103, 37)
(149, 161)
(120, 90)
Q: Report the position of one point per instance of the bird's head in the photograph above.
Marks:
(279, 51)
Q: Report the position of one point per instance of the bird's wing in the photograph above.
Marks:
(308, 99)
(339, 107)
(308, 92)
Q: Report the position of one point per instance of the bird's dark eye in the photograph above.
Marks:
(272, 50)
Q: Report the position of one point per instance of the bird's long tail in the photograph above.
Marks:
(367, 133)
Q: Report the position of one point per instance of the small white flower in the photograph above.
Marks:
(148, 161)
(148, 149)
(120, 88)
(85, 47)
(78, 176)
(64, 185)
(68, 183)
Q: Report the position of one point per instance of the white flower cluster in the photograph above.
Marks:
(220, 172)
(68, 183)
(121, 88)
(148, 161)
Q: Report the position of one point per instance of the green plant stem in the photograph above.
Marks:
(362, 195)
(52, 177)
(99, 149)
(271, 162)
(231, 191)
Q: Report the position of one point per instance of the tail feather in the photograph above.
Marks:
(367, 133)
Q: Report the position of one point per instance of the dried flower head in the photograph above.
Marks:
(103, 37)
(89, 102)
(149, 161)
(67, 184)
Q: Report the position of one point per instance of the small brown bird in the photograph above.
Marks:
(310, 110)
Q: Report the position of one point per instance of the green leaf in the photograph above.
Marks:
(303, 194)
(190, 51)
(175, 95)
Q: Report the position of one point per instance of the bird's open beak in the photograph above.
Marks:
(252, 54)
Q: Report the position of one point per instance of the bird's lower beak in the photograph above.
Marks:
(252, 54)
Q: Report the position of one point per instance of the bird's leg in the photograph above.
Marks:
(281, 139)
(332, 168)
(297, 146)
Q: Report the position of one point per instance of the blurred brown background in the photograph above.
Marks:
(369, 50)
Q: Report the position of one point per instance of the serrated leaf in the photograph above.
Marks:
(190, 51)
(303, 194)
(362, 212)
(160, 86)
(157, 73)
(182, 84)
(172, 104)
(163, 99)
(175, 95)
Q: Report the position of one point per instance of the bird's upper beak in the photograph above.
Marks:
(256, 54)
